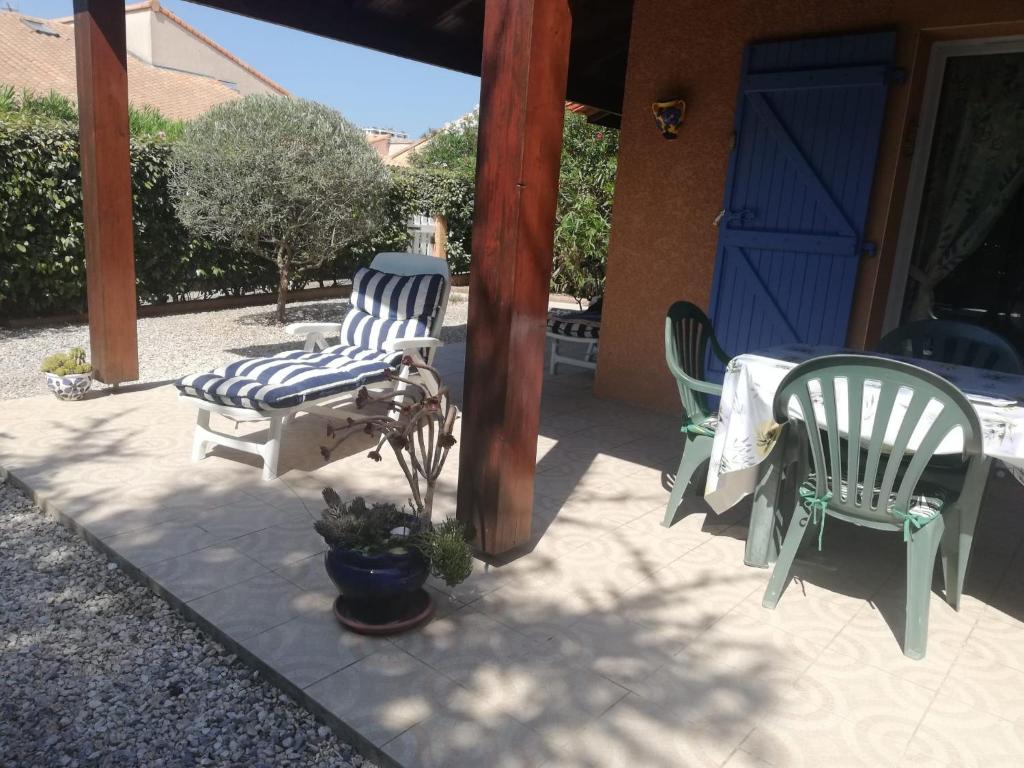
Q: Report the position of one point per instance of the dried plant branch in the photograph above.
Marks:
(418, 426)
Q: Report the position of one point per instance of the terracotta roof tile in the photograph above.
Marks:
(42, 63)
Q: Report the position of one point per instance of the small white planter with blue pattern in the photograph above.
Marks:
(70, 387)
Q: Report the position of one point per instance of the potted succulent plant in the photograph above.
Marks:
(379, 555)
(68, 374)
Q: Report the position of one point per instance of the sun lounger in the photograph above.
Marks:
(574, 327)
(397, 309)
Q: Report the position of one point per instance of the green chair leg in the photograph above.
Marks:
(969, 505)
(775, 497)
(780, 576)
(952, 563)
(760, 547)
(696, 451)
(921, 551)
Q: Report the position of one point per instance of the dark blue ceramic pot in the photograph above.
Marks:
(378, 589)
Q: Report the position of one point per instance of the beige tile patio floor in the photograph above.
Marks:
(610, 642)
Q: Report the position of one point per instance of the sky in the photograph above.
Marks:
(369, 88)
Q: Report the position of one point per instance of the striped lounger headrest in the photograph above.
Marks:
(387, 307)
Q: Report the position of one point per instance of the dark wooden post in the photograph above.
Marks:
(522, 106)
(106, 187)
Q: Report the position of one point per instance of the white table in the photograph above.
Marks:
(746, 431)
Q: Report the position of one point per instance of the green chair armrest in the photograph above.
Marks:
(697, 385)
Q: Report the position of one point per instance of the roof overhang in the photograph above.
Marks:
(449, 34)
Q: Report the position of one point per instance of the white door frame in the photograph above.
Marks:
(941, 52)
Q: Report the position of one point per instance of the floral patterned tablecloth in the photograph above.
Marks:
(746, 430)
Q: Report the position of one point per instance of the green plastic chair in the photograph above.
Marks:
(878, 486)
(688, 333)
(950, 341)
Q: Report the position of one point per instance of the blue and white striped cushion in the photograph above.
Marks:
(396, 297)
(359, 329)
(350, 351)
(384, 307)
(577, 324)
(289, 378)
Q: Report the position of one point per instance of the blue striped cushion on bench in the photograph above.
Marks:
(289, 378)
(575, 324)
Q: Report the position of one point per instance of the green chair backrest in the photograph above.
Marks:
(950, 341)
(688, 333)
(861, 481)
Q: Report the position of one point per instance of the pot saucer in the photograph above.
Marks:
(420, 609)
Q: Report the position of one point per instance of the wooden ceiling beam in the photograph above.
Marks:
(597, 70)
(360, 26)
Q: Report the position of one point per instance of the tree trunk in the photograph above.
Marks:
(283, 264)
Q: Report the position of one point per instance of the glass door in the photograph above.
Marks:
(961, 244)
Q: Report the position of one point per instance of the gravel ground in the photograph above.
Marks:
(97, 671)
(176, 345)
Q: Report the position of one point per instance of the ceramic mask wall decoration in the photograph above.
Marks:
(669, 116)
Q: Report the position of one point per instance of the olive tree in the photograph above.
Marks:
(284, 178)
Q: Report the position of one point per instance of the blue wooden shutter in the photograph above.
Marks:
(808, 123)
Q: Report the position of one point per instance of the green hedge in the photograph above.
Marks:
(42, 271)
(41, 231)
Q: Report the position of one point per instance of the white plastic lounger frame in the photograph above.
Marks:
(589, 359)
(316, 335)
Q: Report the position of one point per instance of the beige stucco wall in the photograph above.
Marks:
(668, 192)
(138, 35)
(174, 47)
(158, 40)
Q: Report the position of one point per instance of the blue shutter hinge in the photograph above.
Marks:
(896, 75)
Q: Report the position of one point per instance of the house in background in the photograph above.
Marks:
(400, 152)
(38, 55)
(163, 40)
(390, 144)
(396, 148)
(171, 65)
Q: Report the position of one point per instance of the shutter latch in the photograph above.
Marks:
(742, 216)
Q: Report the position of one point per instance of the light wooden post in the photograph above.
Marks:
(440, 237)
(106, 188)
(522, 106)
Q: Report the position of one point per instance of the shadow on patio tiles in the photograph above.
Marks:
(595, 648)
(533, 692)
(507, 681)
